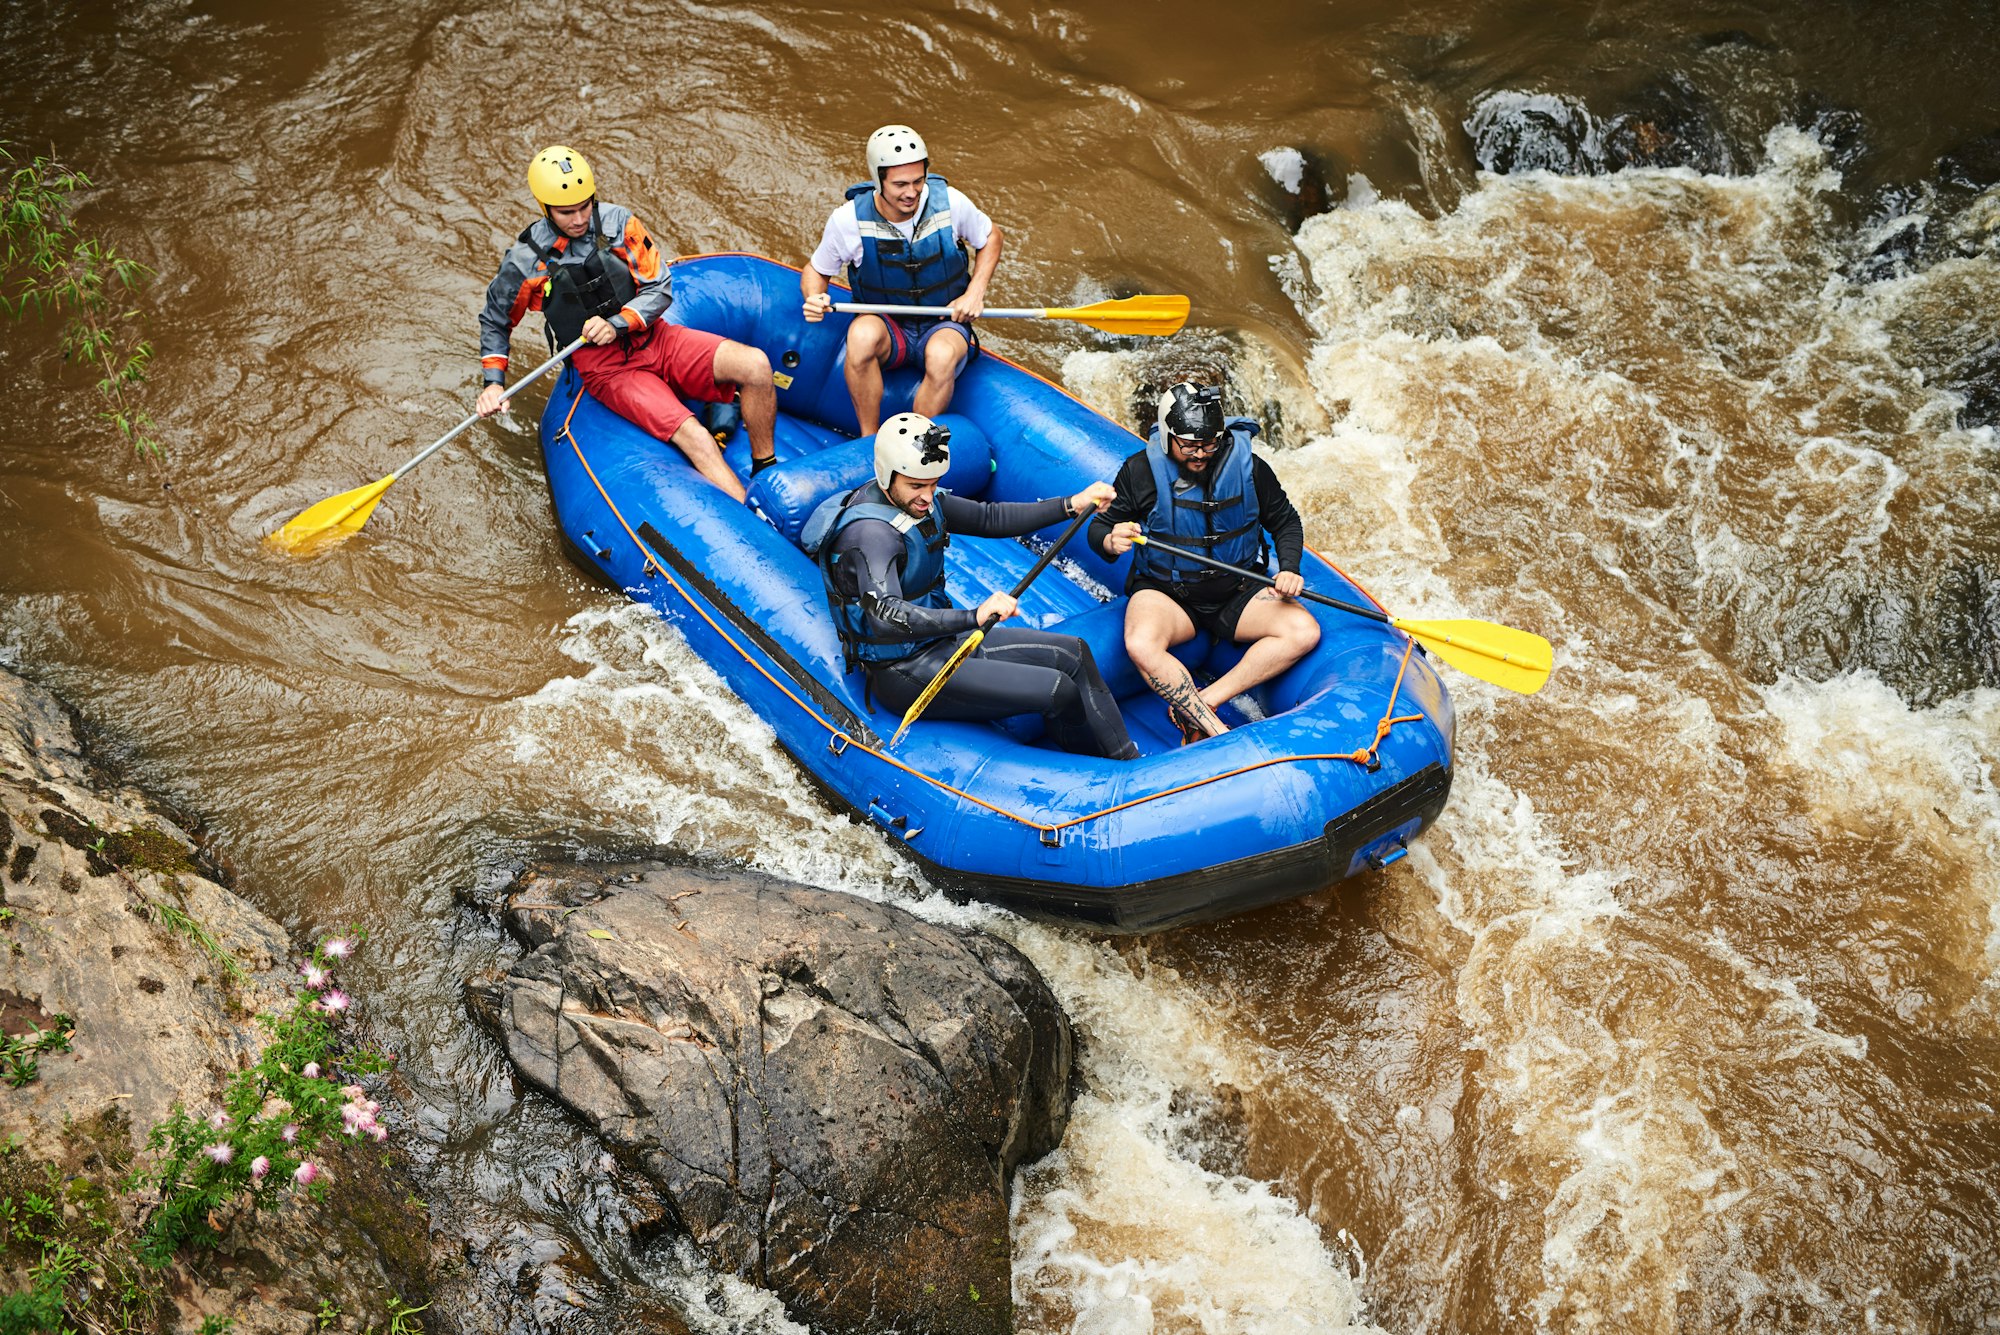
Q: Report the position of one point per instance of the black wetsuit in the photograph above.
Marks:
(1013, 671)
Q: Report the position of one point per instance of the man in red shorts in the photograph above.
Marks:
(593, 271)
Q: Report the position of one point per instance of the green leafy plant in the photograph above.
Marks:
(18, 1064)
(49, 266)
(177, 919)
(403, 1318)
(274, 1116)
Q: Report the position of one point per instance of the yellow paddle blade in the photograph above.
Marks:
(1516, 659)
(1132, 315)
(937, 682)
(334, 517)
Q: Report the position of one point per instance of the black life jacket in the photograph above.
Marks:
(599, 284)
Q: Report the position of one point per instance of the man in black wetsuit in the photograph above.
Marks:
(881, 552)
(1198, 486)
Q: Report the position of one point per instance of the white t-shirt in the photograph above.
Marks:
(840, 244)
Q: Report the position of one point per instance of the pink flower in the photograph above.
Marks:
(290, 1133)
(221, 1151)
(378, 1131)
(258, 1167)
(335, 1000)
(312, 1071)
(339, 948)
(314, 975)
(218, 1119)
(305, 1173)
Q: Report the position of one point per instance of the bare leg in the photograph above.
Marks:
(943, 355)
(749, 370)
(701, 450)
(1154, 624)
(1279, 633)
(868, 346)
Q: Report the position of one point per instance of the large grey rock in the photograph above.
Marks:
(829, 1094)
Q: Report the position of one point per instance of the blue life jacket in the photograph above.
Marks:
(923, 568)
(1216, 517)
(929, 269)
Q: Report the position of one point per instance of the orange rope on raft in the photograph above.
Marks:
(1364, 757)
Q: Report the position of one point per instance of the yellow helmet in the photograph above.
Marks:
(559, 175)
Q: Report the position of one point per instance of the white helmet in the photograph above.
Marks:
(892, 146)
(913, 445)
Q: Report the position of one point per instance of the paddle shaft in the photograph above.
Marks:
(941, 312)
(453, 434)
(930, 692)
(1306, 594)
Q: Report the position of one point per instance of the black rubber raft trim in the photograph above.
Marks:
(1201, 895)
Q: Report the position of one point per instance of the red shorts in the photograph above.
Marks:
(643, 378)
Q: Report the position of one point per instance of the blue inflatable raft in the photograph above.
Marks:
(1306, 789)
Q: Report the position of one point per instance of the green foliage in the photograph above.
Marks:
(177, 919)
(49, 267)
(273, 1117)
(88, 1269)
(80, 1279)
(403, 1319)
(17, 1054)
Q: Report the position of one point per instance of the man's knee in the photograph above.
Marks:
(943, 355)
(867, 341)
(1301, 633)
(741, 364)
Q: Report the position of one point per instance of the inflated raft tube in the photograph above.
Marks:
(1306, 789)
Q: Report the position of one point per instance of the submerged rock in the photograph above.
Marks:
(830, 1095)
(1665, 123)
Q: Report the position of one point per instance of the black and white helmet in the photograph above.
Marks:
(913, 445)
(892, 146)
(1191, 411)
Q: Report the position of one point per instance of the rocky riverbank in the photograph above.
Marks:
(130, 982)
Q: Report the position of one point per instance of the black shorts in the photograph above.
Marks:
(1214, 605)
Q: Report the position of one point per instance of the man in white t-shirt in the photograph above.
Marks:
(903, 240)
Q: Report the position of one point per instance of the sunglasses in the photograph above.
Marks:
(1198, 446)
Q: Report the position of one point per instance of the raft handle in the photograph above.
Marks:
(1382, 858)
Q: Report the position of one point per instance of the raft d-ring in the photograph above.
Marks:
(652, 570)
(838, 743)
(1051, 838)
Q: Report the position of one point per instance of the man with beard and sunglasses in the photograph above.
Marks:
(881, 550)
(1198, 486)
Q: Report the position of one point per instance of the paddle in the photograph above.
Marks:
(346, 513)
(972, 640)
(1515, 659)
(1131, 315)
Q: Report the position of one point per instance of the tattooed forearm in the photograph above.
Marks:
(1182, 698)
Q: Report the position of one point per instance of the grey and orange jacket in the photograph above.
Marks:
(523, 281)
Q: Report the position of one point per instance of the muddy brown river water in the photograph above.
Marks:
(1685, 1016)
